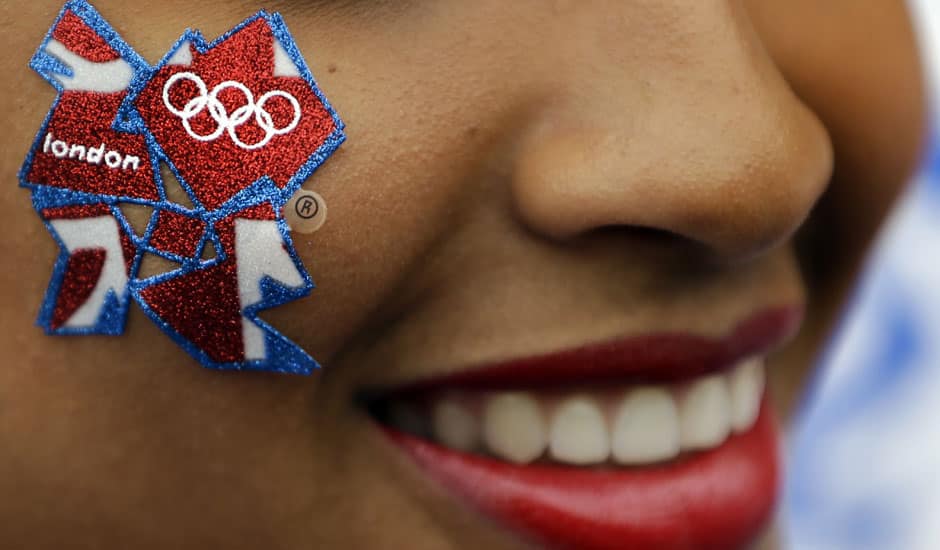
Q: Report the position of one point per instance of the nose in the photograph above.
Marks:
(692, 131)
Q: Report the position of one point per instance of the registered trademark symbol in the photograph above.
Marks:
(305, 212)
(307, 207)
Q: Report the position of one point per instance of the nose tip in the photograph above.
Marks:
(738, 182)
(708, 143)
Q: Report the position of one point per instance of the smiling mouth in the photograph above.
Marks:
(631, 425)
(663, 441)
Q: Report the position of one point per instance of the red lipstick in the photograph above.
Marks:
(651, 358)
(718, 499)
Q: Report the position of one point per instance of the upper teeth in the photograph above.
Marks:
(643, 425)
(512, 423)
(579, 434)
(646, 427)
(704, 413)
(455, 426)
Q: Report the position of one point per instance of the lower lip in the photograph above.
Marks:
(720, 499)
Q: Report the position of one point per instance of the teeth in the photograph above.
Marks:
(746, 383)
(513, 427)
(454, 425)
(646, 427)
(704, 413)
(579, 432)
(643, 425)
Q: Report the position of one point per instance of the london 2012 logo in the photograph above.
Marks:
(238, 122)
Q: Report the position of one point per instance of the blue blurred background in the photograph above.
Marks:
(864, 454)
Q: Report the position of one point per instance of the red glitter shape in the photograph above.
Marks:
(81, 275)
(81, 39)
(128, 249)
(217, 170)
(76, 211)
(84, 119)
(203, 307)
(177, 234)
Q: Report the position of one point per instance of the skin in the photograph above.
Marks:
(520, 177)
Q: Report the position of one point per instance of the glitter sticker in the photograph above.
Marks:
(241, 124)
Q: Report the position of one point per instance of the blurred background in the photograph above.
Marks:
(864, 455)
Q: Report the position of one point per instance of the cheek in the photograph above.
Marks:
(422, 142)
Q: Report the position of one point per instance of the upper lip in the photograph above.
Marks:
(651, 358)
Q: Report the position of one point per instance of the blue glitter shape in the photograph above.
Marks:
(282, 355)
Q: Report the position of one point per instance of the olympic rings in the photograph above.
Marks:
(209, 101)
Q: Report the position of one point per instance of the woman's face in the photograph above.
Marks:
(570, 223)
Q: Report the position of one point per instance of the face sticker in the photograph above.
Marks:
(239, 123)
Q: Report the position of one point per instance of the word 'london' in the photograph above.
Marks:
(91, 155)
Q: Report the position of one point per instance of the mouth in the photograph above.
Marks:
(651, 442)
